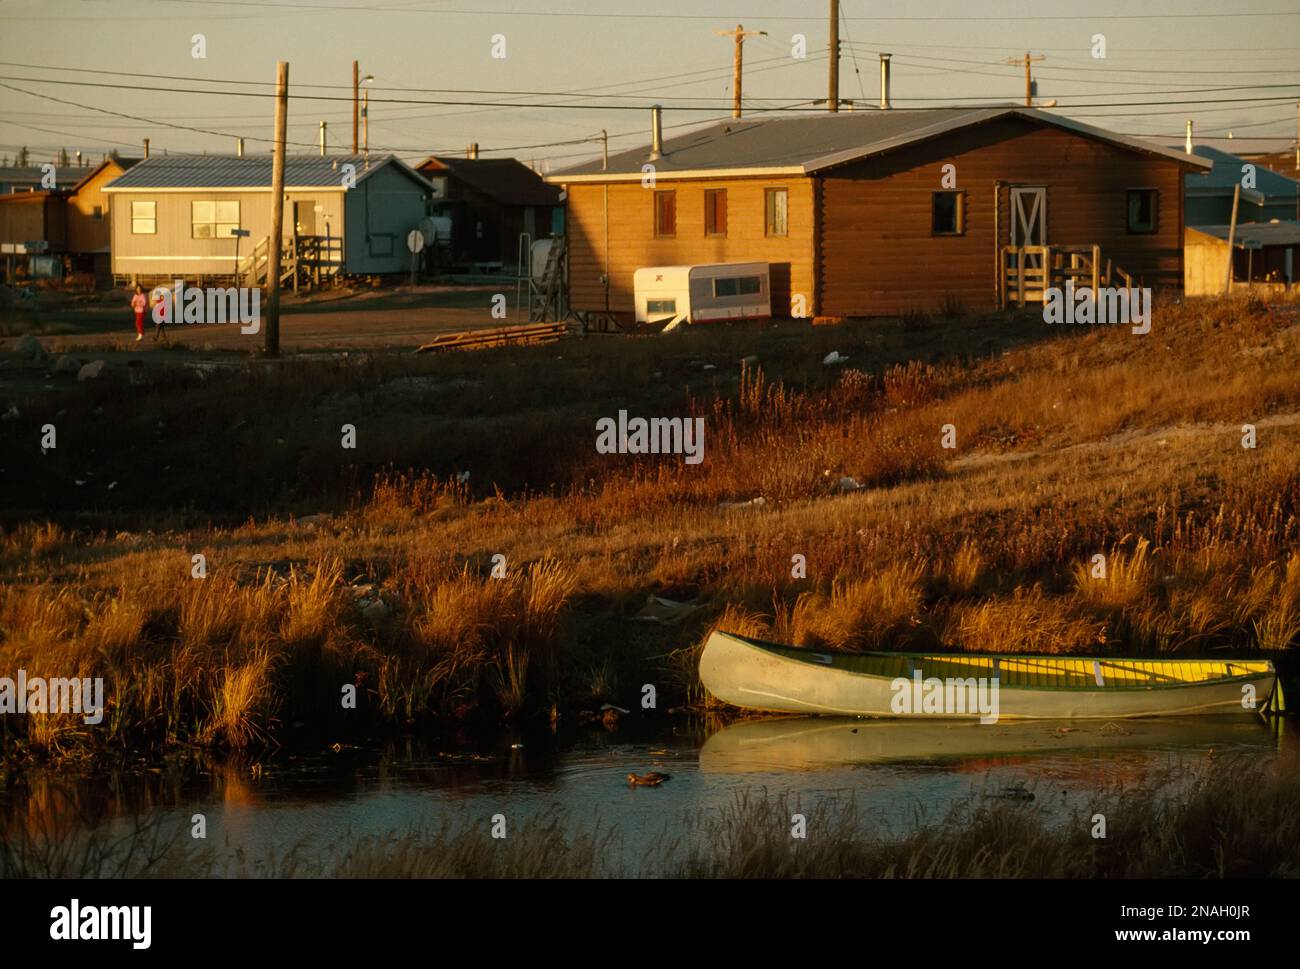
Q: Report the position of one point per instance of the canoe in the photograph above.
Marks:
(775, 744)
(757, 675)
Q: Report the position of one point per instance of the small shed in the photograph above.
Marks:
(1263, 258)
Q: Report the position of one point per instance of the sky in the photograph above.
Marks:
(124, 70)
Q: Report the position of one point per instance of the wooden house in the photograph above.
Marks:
(491, 202)
(174, 216)
(880, 212)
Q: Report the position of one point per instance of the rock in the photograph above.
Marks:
(848, 483)
(30, 347)
(91, 370)
(376, 611)
(66, 364)
(833, 358)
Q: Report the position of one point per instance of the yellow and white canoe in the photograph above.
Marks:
(756, 675)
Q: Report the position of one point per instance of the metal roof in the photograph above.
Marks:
(1226, 175)
(250, 171)
(810, 143)
(1252, 235)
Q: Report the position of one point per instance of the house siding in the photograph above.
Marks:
(172, 251)
(633, 245)
(877, 255)
(381, 212)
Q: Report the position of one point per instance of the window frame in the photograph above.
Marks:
(664, 195)
(711, 229)
(216, 222)
(1154, 194)
(959, 215)
(757, 290)
(769, 230)
(152, 219)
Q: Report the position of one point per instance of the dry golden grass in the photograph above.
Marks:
(1089, 443)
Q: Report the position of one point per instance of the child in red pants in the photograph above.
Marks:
(139, 303)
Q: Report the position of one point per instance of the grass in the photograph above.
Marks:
(1227, 820)
(372, 570)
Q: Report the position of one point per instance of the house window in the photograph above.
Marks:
(776, 205)
(1142, 209)
(665, 214)
(97, 213)
(946, 213)
(737, 286)
(213, 220)
(715, 212)
(144, 218)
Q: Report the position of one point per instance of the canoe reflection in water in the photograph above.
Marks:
(827, 743)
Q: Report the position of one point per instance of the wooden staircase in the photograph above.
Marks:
(1026, 273)
(308, 259)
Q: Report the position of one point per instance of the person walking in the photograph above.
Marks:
(139, 303)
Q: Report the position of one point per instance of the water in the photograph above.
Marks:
(896, 772)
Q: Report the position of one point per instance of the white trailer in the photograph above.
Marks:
(700, 294)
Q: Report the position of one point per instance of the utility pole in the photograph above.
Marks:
(356, 87)
(1029, 80)
(833, 92)
(272, 338)
(740, 33)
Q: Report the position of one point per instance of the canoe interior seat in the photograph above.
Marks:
(1045, 671)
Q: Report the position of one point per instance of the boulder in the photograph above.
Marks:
(30, 348)
(91, 370)
(67, 364)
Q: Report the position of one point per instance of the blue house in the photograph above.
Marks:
(1208, 196)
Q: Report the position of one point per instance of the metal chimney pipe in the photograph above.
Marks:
(884, 81)
(656, 132)
(1189, 136)
(322, 139)
(146, 148)
(239, 147)
(473, 150)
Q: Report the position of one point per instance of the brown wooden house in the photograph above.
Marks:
(491, 202)
(882, 212)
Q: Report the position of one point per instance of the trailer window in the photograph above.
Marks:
(1142, 210)
(715, 212)
(776, 202)
(144, 218)
(665, 214)
(661, 306)
(737, 286)
(946, 214)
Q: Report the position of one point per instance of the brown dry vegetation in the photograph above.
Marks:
(1085, 443)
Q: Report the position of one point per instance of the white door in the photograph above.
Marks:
(1029, 216)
